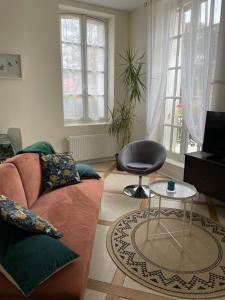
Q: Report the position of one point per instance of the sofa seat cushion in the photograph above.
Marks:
(138, 166)
(73, 210)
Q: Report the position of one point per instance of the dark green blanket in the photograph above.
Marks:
(39, 147)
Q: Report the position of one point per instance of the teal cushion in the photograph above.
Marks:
(28, 259)
(87, 172)
(39, 147)
(11, 212)
(58, 170)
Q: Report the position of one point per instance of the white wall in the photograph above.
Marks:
(34, 104)
(138, 43)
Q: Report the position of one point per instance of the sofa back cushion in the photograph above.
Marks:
(11, 185)
(29, 168)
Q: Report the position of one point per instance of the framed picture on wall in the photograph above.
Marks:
(10, 66)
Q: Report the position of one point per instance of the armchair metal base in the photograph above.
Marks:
(137, 191)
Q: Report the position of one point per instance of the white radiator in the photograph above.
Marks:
(88, 147)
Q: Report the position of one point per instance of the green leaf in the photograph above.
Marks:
(122, 114)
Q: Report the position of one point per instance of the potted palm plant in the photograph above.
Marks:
(122, 115)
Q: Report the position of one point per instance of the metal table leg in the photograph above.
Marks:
(149, 206)
(190, 221)
(159, 212)
(184, 221)
(184, 217)
(185, 229)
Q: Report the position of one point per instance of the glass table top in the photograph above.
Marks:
(183, 190)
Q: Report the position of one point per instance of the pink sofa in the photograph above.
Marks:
(73, 209)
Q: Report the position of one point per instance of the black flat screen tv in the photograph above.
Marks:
(214, 137)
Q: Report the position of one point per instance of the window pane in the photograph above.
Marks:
(71, 55)
(217, 11)
(176, 24)
(70, 30)
(95, 84)
(172, 61)
(170, 83)
(178, 91)
(166, 137)
(178, 115)
(96, 59)
(73, 107)
(95, 33)
(177, 138)
(203, 14)
(180, 53)
(215, 35)
(72, 82)
(187, 16)
(168, 111)
(96, 107)
(192, 146)
(187, 21)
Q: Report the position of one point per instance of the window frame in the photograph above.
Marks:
(83, 38)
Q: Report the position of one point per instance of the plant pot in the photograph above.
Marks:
(119, 168)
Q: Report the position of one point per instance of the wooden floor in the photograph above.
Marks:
(106, 281)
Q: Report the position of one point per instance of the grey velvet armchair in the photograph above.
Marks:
(141, 157)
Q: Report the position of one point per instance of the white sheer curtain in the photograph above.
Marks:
(161, 22)
(199, 44)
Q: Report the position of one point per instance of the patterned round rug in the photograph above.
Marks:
(157, 263)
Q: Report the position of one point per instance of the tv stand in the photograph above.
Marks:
(206, 172)
(217, 158)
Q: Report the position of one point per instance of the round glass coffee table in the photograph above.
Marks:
(183, 192)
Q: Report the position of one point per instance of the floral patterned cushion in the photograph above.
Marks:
(58, 170)
(11, 212)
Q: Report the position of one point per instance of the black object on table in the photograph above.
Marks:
(206, 172)
(6, 148)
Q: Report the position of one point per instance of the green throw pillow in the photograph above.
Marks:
(87, 172)
(39, 147)
(28, 259)
(58, 170)
(11, 212)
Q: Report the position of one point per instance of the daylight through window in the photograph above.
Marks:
(84, 68)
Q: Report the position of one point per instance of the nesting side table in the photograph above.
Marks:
(183, 192)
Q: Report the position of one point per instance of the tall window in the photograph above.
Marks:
(84, 68)
(176, 138)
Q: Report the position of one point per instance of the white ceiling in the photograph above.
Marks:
(128, 5)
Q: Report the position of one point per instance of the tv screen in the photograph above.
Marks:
(214, 137)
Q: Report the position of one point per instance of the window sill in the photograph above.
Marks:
(86, 124)
(173, 169)
(175, 163)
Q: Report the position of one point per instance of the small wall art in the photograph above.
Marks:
(10, 66)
